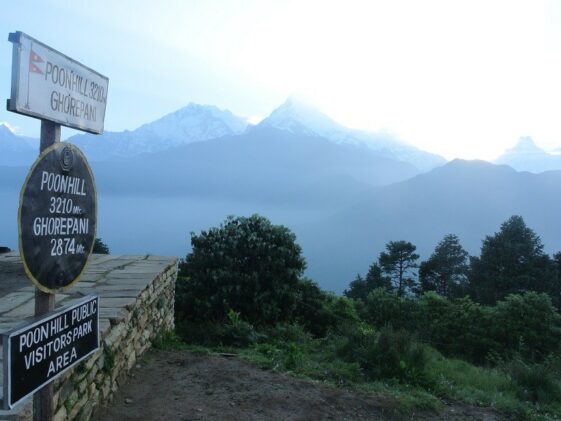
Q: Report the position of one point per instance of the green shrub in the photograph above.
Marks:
(237, 332)
(388, 354)
(294, 357)
(534, 382)
(247, 265)
(168, 341)
(459, 328)
(399, 356)
(354, 344)
(340, 312)
(383, 308)
(527, 325)
(233, 332)
(311, 311)
(100, 247)
(288, 332)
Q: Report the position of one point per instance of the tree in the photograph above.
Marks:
(311, 308)
(383, 308)
(375, 279)
(554, 288)
(361, 287)
(247, 265)
(358, 289)
(512, 261)
(100, 247)
(445, 272)
(398, 263)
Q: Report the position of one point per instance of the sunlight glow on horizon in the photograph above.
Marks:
(461, 79)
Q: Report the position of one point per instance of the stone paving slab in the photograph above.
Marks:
(118, 280)
(127, 293)
(122, 287)
(15, 299)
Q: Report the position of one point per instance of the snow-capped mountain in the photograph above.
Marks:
(9, 141)
(195, 123)
(16, 150)
(192, 123)
(298, 117)
(527, 156)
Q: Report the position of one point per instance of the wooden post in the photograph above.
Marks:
(44, 302)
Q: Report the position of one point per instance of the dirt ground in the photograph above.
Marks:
(181, 385)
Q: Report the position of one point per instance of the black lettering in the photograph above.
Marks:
(49, 69)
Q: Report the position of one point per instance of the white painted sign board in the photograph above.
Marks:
(48, 85)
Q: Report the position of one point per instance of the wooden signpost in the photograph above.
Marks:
(57, 216)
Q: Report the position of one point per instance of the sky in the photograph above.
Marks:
(464, 79)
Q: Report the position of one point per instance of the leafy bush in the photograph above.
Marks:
(388, 354)
(354, 344)
(526, 324)
(536, 383)
(382, 308)
(459, 328)
(398, 355)
(237, 332)
(247, 265)
(288, 332)
(311, 311)
(233, 332)
(100, 247)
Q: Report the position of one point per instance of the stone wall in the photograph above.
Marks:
(136, 305)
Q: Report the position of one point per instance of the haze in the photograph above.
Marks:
(461, 79)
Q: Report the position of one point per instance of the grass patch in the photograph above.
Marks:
(168, 341)
(317, 360)
(388, 363)
(409, 399)
(459, 380)
(507, 389)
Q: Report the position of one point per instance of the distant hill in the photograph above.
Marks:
(321, 190)
(263, 163)
(467, 198)
(150, 202)
(527, 156)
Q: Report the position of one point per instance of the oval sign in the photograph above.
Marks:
(57, 218)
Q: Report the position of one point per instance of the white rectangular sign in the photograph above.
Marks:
(47, 84)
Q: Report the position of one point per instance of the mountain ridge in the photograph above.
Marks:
(527, 156)
(196, 122)
(191, 123)
(298, 117)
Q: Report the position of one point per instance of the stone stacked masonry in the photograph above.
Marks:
(136, 306)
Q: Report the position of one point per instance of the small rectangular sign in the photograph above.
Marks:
(35, 354)
(47, 84)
